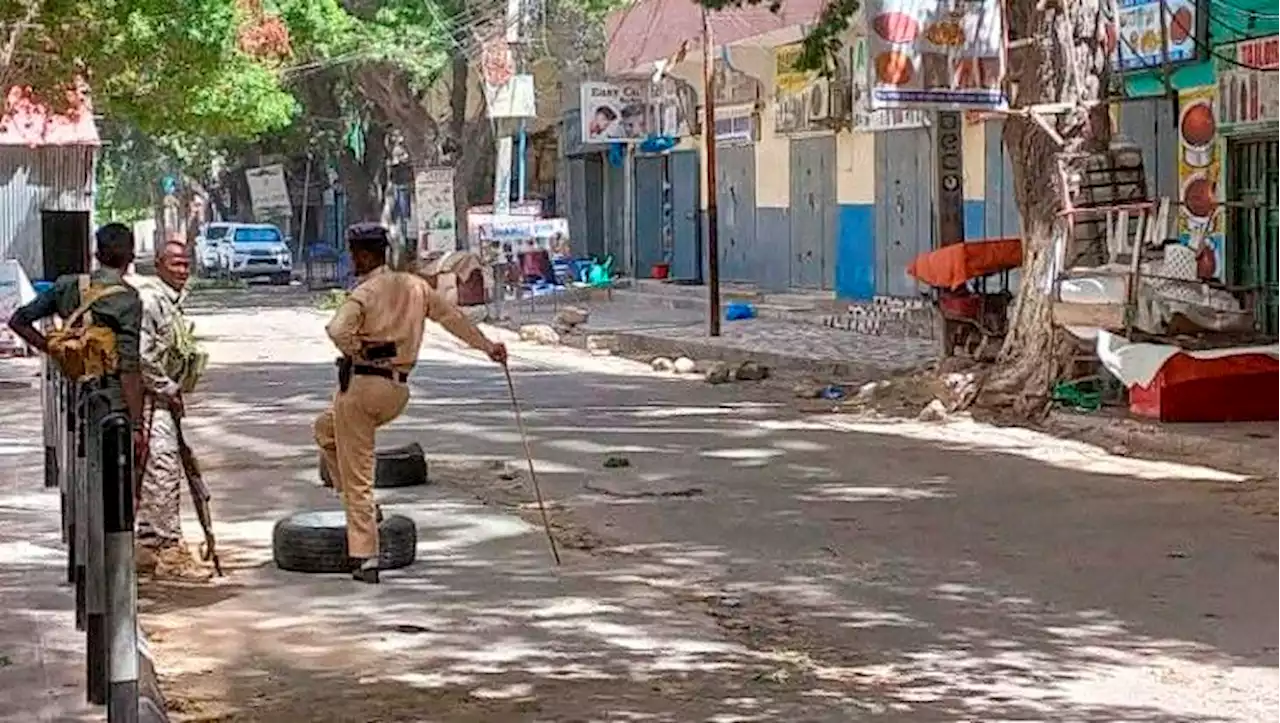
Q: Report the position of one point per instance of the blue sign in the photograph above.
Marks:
(169, 185)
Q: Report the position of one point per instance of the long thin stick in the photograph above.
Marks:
(528, 455)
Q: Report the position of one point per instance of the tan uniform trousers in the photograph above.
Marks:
(345, 435)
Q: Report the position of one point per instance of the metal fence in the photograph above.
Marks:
(88, 451)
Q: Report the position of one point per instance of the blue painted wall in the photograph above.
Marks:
(975, 221)
(855, 275)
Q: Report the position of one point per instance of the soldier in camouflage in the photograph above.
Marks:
(170, 366)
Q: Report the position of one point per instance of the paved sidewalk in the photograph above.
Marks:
(649, 331)
(41, 653)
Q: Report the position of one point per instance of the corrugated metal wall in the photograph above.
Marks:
(35, 180)
(1001, 207)
(813, 212)
(736, 212)
(904, 207)
(1153, 126)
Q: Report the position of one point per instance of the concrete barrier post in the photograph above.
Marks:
(122, 590)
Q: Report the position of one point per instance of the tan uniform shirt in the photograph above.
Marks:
(391, 305)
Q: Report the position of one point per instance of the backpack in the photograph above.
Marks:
(83, 350)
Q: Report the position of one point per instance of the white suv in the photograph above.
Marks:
(250, 250)
(208, 259)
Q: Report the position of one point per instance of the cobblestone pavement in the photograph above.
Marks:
(663, 329)
(807, 341)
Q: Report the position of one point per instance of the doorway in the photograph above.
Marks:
(1252, 226)
(64, 243)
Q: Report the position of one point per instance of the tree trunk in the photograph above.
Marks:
(364, 181)
(1067, 63)
(459, 95)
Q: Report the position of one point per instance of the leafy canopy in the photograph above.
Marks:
(164, 66)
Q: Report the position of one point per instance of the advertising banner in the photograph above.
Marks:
(1248, 99)
(936, 54)
(1200, 219)
(616, 111)
(433, 210)
(1139, 45)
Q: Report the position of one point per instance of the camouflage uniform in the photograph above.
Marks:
(159, 509)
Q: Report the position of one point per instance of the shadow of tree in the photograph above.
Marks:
(822, 572)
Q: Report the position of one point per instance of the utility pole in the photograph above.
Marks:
(709, 178)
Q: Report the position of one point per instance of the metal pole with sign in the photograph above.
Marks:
(948, 145)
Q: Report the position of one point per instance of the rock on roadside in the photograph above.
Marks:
(936, 411)
(539, 334)
(750, 371)
(718, 373)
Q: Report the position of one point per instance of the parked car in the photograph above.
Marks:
(207, 255)
(251, 250)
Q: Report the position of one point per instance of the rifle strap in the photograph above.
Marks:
(88, 296)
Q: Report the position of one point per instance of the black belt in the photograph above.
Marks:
(362, 370)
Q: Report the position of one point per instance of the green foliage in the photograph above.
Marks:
(164, 66)
(823, 43)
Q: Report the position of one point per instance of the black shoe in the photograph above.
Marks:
(367, 575)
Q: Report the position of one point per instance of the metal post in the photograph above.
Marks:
(78, 507)
(50, 402)
(122, 591)
(709, 183)
(521, 180)
(629, 211)
(69, 450)
(303, 253)
(96, 570)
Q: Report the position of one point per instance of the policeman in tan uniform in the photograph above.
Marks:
(379, 331)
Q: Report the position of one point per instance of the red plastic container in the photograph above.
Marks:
(660, 270)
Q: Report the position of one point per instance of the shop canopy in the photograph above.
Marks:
(950, 267)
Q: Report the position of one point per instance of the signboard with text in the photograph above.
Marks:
(935, 54)
(1248, 95)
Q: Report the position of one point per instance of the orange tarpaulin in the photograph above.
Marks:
(951, 266)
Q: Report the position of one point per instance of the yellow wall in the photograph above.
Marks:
(974, 147)
(855, 168)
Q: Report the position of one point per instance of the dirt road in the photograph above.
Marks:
(751, 564)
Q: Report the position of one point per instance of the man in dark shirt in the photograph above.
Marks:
(121, 313)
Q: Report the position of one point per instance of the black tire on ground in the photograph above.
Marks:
(281, 279)
(401, 467)
(316, 541)
(397, 467)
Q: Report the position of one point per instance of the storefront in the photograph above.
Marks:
(1248, 114)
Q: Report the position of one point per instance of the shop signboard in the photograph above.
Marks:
(434, 211)
(1248, 95)
(1200, 217)
(615, 111)
(508, 94)
(936, 54)
(805, 101)
(1137, 39)
(267, 190)
(864, 117)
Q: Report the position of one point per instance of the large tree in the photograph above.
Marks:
(194, 67)
(1058, 88)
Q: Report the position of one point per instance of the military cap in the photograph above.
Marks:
(367, 232)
